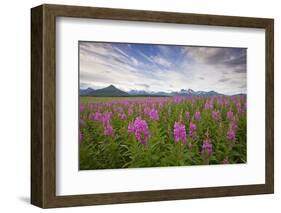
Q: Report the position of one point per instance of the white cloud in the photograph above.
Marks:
(161, 61)
(102, 64)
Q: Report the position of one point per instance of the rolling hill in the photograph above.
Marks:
(110, 91)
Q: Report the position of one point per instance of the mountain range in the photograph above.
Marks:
(112, 91)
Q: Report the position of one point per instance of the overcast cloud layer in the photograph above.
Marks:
(162, 67)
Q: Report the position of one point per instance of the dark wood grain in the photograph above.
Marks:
(43, 105)
(36, 106)
(269, 118)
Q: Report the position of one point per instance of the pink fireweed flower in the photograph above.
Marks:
(233, 125)
(231, 135)
(107, 115)
(131, 128)
(130, 111)
(178, 99)
(153, 115)
(226, 102)
(220, 101)
(240, 110)
(141, 130)
(230, 115)
(179, 132)
(146, 111)
(107, 129)
(125, 102)
(238, 105)
(187, 115)
(91, 107)
(207, 147)
(97, 116)
(197, 116)
(216, 115)
(122, 116)
(192, 129)
(82, 107)
(106, 122)
(208, 105)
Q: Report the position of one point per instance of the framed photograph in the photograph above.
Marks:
(136, 106)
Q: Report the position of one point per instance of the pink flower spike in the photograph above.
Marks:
(207, 147)
(179, 132)
(197, 116)
(153, 115)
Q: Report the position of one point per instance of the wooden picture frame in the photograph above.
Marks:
(43, 105)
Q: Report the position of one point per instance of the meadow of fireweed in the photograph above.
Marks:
(162, 131)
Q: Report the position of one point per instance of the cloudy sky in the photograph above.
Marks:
(167, 68)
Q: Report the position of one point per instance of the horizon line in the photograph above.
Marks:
(170, 91)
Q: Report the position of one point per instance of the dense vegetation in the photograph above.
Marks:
(164, 131)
